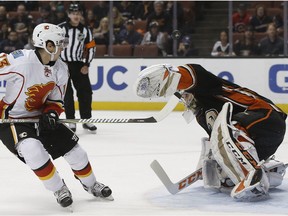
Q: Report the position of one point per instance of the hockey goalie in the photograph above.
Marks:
(244, 128)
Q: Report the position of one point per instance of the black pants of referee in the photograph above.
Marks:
(82, 85)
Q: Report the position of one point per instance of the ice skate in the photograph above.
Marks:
(100, 190)
(72, 126)
(90, 127)
(63, 196)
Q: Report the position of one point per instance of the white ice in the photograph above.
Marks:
(121, 155)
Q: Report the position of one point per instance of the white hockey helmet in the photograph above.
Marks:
(49, 32)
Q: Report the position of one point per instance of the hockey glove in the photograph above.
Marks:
(48, 121)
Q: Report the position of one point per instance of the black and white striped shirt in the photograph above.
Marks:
(81, 43)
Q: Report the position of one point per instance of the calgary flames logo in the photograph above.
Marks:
(37, 95)
(47, 72)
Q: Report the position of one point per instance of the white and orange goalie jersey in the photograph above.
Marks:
(32, 88)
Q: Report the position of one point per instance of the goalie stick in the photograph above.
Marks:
(174, 188)
(166, 110)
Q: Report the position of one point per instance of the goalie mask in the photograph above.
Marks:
(157, 81)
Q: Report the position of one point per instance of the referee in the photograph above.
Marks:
(78, 55)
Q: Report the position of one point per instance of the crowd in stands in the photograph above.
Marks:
(145, 23)
(256, 32)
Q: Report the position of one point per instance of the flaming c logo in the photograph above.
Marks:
(37, 95)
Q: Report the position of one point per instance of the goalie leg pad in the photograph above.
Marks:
(223, 148)
(205, 152)
(238, 159)
(211, 175)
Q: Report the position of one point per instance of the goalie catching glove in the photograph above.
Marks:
(157, 81)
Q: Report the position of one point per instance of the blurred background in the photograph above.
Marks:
(242, 41)
(145, 28)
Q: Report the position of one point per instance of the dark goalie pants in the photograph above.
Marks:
(57, 142)
(265, 127)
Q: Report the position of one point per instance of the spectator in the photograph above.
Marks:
(46, 16)
(126, 8)
(101, 34)
(246, 46)
(221, 47)
(118, 21)
(3, 16)
(31, 5)
(186, 47)
(60, 13)
(180, 12)
(272, 44)
(4, 31)
(101, 9)
(22, 23)
(143, 10)
(129, 35)
(240, 18)
(163, 19)
(55, 5)
(154, 36)
(91, 20)
(260, 20)
(11, 44)
(188, 25)
(9, 5)
(278, 21)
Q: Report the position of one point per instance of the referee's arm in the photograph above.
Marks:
(89, 48)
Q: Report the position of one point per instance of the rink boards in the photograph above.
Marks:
(112, 79)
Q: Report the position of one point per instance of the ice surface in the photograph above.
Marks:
(121, 155)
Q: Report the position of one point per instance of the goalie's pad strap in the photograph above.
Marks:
(205, 150)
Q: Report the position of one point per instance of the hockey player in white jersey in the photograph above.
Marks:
(36, 82)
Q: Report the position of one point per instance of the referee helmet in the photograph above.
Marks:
(74, 7)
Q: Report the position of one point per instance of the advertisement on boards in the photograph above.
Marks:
(113, 79)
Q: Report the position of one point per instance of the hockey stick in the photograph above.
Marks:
(174, 188)
(167, 109)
